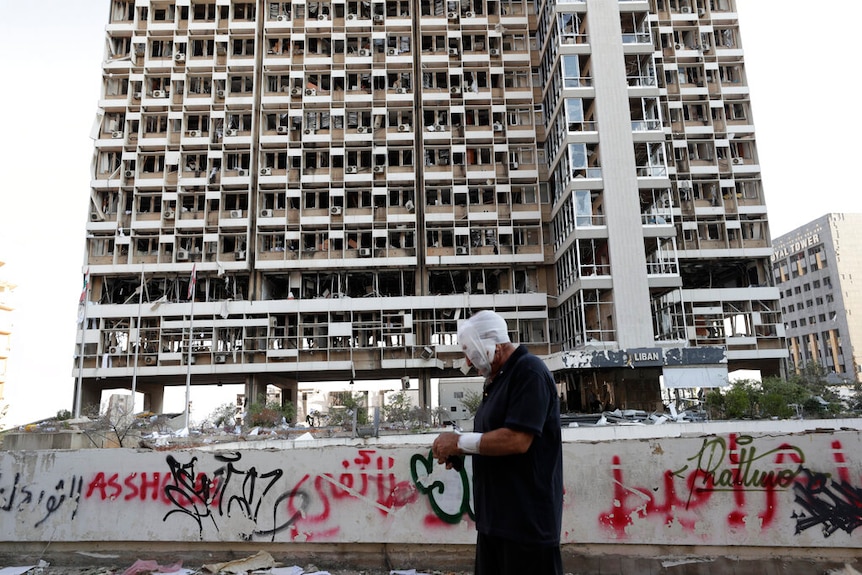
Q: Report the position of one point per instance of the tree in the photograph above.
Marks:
(223, 415)
(114, 427)
(270, 413)
(470, 401)
(352, 403)
(398, 408)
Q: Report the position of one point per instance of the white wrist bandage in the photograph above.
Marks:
(469, 443)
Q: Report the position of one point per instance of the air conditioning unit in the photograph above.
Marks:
(400, 90)
(335, 210)
(737, 160)
(94, 217)
(513, 166)
(439, 128)
(169, 214)
(158, 93)
(426, 353)
(182, 255)
(310, 92)
(404, 128)
(296, 91)
(281, 129)
(469, 14)
(378, 18)
(453, 51)
(468, 89)
(677, 47)
(266, 171)
(309, 131)
(379, 169)
(461, 250)
(220, 358)
(149, 360)
(351, 16)
(113, 350)
(130, 174)
(365, 52)
(282, 18)
(409, 205)
(701, 12)
(136, 95)
(231, 132)
(266, 213)
(365, 252)
(180, 57)
(405, 382)
(498, 127)
(236, 213)
(239, 255)
(241, 173)
(494, 51)
(323, 17)
(361, 129)
(220, 94)
(685, 9)
(452, 15)
(455, 90)
(351, 170)
(194, 134)
(392, 51)
(117, 134)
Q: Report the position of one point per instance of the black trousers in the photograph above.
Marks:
(498, 556)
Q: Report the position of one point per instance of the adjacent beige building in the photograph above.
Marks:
(817, 270)
(348, 180)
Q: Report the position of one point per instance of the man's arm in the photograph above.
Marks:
(502, 441)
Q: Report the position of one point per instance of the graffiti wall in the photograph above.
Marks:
(800, 490)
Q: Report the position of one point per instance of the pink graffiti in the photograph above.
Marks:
(367, 479)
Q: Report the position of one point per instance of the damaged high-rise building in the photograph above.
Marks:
(347, 180)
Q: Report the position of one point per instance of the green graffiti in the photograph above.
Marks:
(723, 468)
(421, 471)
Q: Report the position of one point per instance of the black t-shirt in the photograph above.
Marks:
(520, 497)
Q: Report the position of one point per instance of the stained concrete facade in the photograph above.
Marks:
(284, 193)
(648, 493)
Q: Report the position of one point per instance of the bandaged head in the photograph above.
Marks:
(479, 337)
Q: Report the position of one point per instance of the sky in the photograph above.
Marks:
(796, 56)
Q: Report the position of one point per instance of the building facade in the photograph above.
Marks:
(301, 191)
(816, 269)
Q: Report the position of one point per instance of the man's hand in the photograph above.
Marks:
(445, 448)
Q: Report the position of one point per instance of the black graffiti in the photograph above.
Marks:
(230, 492)
(18, 497)
(831, 504)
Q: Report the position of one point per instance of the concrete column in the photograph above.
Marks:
(154, 396)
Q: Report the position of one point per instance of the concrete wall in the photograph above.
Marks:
(704, 486)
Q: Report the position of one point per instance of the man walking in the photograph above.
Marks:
(517, 454)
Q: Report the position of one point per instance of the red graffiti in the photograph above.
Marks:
(733, 466)
(140, 486)
(640, 502)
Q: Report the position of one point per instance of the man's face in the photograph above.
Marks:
(482, 358)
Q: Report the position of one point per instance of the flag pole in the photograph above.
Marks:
(191, 295)
(138, 342)
(84, 300)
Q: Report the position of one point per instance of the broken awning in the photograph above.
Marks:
(695, 376)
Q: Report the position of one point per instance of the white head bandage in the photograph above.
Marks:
(479, 337)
